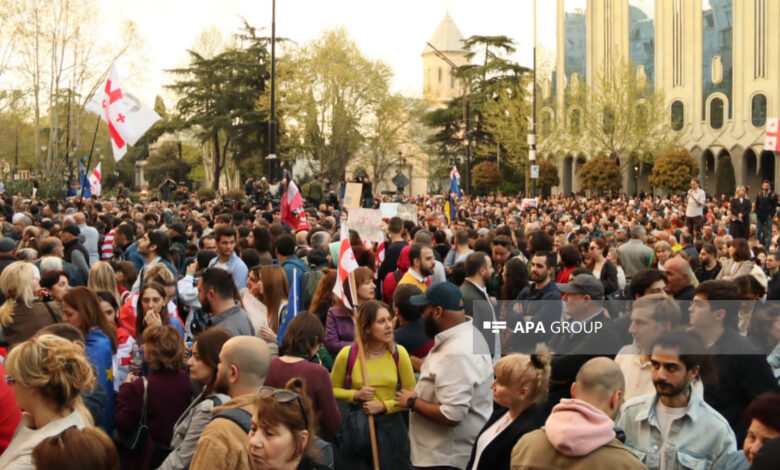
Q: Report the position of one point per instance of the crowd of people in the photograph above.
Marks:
(575, 332)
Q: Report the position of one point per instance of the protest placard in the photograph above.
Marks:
(367, 223)
(352, 195)
(408, 212)
(388, 209)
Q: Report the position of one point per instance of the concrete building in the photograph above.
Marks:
(714, 61)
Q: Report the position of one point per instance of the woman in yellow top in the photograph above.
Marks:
(389, 369)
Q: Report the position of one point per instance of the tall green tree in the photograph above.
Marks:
(218, 100)
(330, 96)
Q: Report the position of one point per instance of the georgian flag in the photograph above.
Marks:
(772, 141)
(95, 181)
(291, 210)
(347, 264)
(127, 118)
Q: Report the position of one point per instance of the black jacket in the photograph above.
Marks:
(498, 454)
(742, 375)
(766, 206)
(737, 228)
(72, 245)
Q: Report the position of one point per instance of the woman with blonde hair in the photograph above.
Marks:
(663, 251)
(23, 313)
(48, 374)
(739, 207)
(519, 390)
(102, 277)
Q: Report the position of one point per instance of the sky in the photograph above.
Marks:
(394, 31)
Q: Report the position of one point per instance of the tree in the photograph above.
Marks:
(673, 171)
(218, 101)
(485, 177)
(330, 95)
(620, 115)
(548, 176)
(600, 174)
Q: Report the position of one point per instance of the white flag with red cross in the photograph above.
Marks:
(772, 141)
(347, 264)
(128, 119)
(96, 181)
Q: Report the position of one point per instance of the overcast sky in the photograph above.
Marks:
(394, 31)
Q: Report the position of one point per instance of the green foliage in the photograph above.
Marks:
(218, 97)
(619, 114)
(600, 174)
(485, 177)
(509, 188)
(672, 171)
(548, 176)
(206, 193)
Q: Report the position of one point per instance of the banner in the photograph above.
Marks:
(408, 212)
(772, 141)
(388, 209)
(367, 223)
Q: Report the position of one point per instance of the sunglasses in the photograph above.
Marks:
(284, 396)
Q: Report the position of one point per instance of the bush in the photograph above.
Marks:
(485, 177)
(548, 176)
(672, 171)
(206, 193)
(600, 174)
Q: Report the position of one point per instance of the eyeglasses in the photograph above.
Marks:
(10, 381)
(284, 396)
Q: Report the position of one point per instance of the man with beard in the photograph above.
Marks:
(479, 268)
(215, 293)
(674, 427)
(154, 246)
(452, 399)
(243, 366)
(543, 288)
(421, 263)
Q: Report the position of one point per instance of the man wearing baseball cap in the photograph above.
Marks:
(452, 399)
(588, 334)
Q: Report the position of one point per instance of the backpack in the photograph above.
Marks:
(239, 416)
(309, 281)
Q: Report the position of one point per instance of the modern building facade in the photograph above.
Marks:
(716, 61)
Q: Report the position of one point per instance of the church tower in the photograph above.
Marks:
(439, 84)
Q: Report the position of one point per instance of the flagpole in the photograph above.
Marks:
(89, 158)
(363, 367)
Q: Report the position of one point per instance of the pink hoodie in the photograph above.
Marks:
(576, 428)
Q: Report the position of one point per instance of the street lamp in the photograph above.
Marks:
(636, 179)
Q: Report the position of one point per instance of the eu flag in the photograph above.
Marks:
(293, 304)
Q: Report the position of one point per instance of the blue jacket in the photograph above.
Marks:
(131, 254)
(293, 263)
(98, 349)
(702, 438)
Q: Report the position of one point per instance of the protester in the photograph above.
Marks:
(202, 363)
(156, 399)
(23, 314)
(519, 390)
(339, 326)
(75, 449)
(48, 374)
(579, 433)
(217, 294)
(227, 258)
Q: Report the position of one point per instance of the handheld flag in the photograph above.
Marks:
(450, 206)
(347, 264)
(127, 118)
(96, 181)
(293, 304)
(84, 182)
(772, 141)
(292, 207)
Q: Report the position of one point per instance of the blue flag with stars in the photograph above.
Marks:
(293, 304)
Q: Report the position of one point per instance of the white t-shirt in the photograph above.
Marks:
(695, 206)
(666, 416)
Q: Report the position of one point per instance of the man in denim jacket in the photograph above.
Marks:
(674, 428)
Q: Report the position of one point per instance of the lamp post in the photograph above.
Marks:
(636, 179)
(532, 136)
(272, 119)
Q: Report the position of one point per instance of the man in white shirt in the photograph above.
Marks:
(694, 209)
(452, 399)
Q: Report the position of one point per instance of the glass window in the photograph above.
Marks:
(716, 113)
(574, 121)
(758, 110)
(642, 36)
(575, 38)
(717, 50)
(678, 115)
(609, 121)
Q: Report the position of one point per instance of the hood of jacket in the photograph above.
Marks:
(295, 263)
(576, 428)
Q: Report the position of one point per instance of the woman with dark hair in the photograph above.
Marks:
(750, 291)
(570, 259)
(339, 325)
(126, 274)
(763, 417)
(515, 278)
(55, 284)
(303, 338)
(273, 292)
(203, 368)
(151, 309)
(81, 308)
(283, 430)
(387, 366)
(125, 341)
(167, 389)
(739, 262)
(260, 239)
(601, 267)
